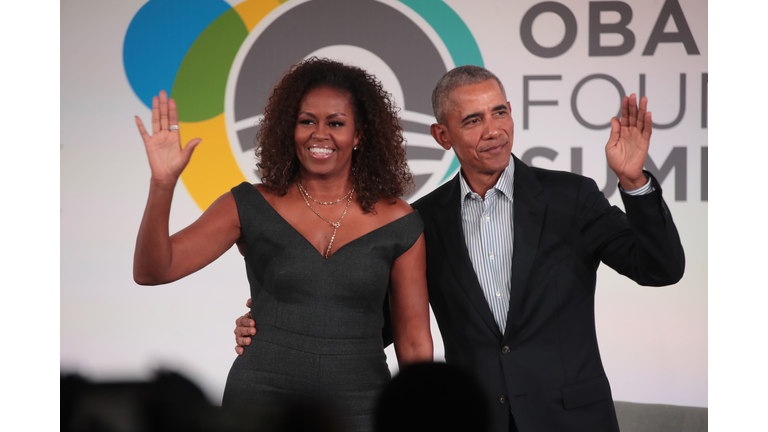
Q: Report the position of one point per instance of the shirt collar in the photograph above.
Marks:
(505, 184)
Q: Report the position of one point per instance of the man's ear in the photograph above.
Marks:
(440, 134)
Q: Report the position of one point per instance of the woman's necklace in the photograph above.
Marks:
(336, 224)
(305, 193)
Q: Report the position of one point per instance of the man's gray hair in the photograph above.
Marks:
(455, 78)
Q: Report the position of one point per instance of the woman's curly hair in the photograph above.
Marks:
(379, 166)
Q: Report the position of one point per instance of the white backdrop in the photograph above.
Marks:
(653, 340)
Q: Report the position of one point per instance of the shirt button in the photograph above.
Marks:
(490, 255)
(505, 349)
(503, 399)
(488, 217)
(498, 294)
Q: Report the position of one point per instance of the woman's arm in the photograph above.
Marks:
(160, 258)
(409, 305)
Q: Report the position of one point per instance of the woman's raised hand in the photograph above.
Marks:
(167, 158)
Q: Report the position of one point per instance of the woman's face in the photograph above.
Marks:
(325, 133)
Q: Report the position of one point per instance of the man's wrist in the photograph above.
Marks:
(644, 188)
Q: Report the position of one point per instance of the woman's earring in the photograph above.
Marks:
(356, 148)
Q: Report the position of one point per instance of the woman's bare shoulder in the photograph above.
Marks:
(392, 209)
(224, 208)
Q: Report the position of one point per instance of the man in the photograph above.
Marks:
(512, 255)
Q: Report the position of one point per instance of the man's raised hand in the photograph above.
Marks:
(628, 144)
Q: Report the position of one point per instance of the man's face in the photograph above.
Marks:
(479, 128)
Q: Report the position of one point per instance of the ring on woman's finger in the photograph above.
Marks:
(173, 127)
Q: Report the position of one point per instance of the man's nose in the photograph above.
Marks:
(492, 130)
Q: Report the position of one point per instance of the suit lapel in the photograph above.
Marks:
(528, 221)
(452, 234)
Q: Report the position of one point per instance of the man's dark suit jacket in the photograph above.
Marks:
(546, 368)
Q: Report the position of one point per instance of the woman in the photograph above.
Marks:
(324, 236)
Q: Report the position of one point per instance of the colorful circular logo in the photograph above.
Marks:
(221, 63)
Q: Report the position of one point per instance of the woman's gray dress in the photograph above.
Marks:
(319, 320)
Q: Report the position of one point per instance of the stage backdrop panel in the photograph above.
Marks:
(565, 67)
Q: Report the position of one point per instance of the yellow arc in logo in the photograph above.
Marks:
(213, 169)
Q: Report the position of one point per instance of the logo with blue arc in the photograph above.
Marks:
(221, 62)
